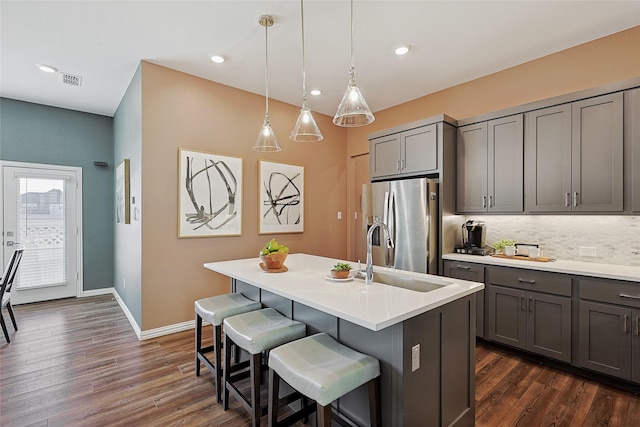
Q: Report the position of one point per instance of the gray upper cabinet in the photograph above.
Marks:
(632, 134)
(574, 156)
(597, 154)
(411, 152)
(490, 166)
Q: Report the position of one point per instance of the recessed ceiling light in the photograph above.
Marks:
(315, 92)
(47, 68)
(402, 50)
(218, 59)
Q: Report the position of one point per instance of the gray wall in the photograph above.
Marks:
(40, 134)
(127, 130)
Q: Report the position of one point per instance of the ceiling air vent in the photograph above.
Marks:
(70, 79)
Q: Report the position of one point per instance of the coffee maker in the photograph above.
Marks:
(474, 238)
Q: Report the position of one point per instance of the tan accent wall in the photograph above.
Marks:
(183, 111)
(606, 60)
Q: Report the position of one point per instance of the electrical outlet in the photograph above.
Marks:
(415, 357)
(124, 283)
(339, 215)
(586, 251)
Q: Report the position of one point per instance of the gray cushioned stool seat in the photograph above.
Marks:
(321, 368)
(215, 309)
(262, 330)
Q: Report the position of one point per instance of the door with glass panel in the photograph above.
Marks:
(41, 214)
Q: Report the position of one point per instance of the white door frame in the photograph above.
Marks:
(77, 171)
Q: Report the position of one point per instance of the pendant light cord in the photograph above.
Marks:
(304, 75)
(266, 69)
(352, 54)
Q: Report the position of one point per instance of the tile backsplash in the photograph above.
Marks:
(616, 239)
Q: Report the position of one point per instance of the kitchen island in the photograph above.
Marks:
(424, 340)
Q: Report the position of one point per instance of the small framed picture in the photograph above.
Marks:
(210, 195)
(281, 198)
(123, 207)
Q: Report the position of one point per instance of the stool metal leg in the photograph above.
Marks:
(255, 389)
(324, 415)
(274, 391)
(227, 374)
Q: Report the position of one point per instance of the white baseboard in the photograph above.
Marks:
(142, 335)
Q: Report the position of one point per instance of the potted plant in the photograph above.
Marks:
(500, 244)
(341, 270)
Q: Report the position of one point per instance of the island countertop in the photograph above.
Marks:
(375, 306)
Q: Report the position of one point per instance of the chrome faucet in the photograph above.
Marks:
(369, 267)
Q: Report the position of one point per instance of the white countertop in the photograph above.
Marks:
(606, 271)
(375, 307)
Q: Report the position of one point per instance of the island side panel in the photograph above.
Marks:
(386, 346)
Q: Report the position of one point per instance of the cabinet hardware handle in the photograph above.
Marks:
(638, 326)
(566, 199)
(531, 305)
(626, 323)
(398, 165)
(484, 201)
(402, 166)
(531, 282)
(490, 201)
(629, 296)
(463, 267)
(575, 198)
(522, 304)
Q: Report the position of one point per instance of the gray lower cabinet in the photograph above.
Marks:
(440, 392)
(529, 310)
(574, 156)
(609, 331)
(473, 273)
(490, 169)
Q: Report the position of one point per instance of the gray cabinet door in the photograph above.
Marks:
(549, 325)
(597, 154)
(506, 315)
(605, 341)
(471, 195)
(635, 346)
(548, 159)
(632, 129)
(505, 165)
(419, 150)
(473, 273)
(385, 156)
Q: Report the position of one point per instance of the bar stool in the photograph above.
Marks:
(254, 332)
(214, 310)
(320, 368)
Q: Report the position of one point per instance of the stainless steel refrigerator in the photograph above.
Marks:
(409, 208)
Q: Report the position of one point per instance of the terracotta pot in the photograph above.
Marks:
(342, 274)
(274, 260)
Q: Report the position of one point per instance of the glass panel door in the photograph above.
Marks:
(40, 216)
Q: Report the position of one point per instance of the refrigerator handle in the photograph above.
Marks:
(390, 251)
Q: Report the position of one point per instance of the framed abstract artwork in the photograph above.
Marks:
(210, 195)
(123, 208)
(281, 198)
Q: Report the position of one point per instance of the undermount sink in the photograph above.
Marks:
(406, 282)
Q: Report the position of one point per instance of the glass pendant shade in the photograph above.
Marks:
(353, 110)
(306, 129)
(266, 140)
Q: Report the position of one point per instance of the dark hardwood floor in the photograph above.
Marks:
(77, 362)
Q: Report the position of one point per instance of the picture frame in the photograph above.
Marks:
(280, 198)
(209, 194)
(123, 203)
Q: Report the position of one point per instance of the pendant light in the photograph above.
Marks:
(306, 129)
(266, 140)
(353, 110)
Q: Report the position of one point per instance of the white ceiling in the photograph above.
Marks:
(452, 42)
